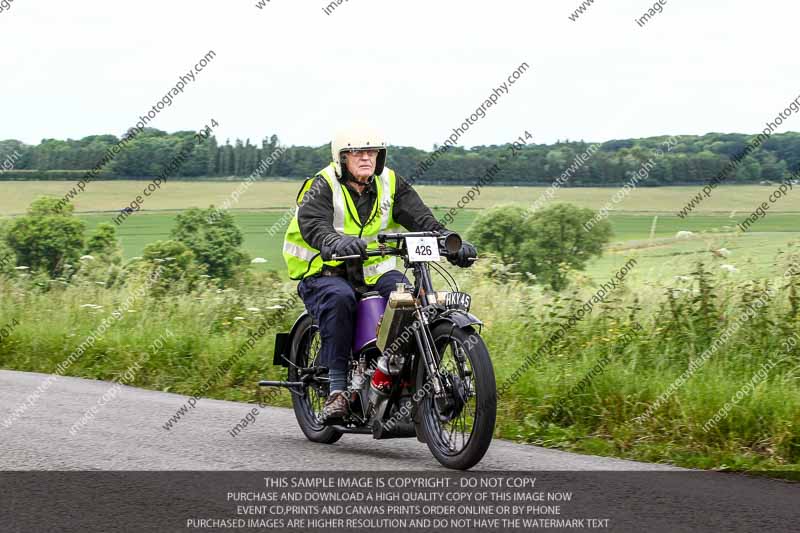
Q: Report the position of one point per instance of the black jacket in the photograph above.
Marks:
(315, 216)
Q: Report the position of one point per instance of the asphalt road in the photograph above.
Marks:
(127, 434)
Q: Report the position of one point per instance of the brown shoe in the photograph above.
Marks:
(336, 406)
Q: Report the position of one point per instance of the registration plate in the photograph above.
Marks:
(458, 300)
(422, 249)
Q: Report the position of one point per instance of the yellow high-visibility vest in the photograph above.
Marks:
(303, 260)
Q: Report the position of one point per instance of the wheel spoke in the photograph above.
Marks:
(456, 368)
(313, 398)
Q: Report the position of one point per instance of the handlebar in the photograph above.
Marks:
(449, 244)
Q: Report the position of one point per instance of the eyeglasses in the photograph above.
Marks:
(372, 152)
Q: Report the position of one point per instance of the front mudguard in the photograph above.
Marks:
(457, 317)
(283, 343)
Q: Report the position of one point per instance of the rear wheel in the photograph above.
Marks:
(457, 424)
(308, 402)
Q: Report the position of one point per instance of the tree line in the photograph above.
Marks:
(691, 160)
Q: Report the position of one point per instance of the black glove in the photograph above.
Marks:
(463, 256)
(345, 245)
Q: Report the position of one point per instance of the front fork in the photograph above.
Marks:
(427, 347)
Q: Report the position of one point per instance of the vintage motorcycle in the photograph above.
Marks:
(418, 366)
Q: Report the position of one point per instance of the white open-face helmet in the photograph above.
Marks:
(358, 136)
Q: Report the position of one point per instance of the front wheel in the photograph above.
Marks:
(458, 423)
(309, 401)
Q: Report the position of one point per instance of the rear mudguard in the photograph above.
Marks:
(283, 343)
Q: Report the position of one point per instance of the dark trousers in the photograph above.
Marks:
(331, 300)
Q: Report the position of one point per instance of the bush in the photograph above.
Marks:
(547, 244)
(103, 243)
(500, 230)
(214, 239)
(180, 273)
(47, 237)
(557, 242)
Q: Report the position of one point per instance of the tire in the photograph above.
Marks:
(481, 404)
(305, 345)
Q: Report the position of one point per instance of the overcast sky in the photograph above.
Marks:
(414, 68)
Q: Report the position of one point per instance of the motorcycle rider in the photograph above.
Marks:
(340, 212)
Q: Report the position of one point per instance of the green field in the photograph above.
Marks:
(114, 195)
(662, 257)
(142, 229)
